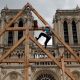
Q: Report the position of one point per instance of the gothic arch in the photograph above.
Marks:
(11, 73)
(10, 34)
(21, 22)
(74, 31)
(74, 19)
(73, 22)
(65, 22)
(65, 19)
(65, 27)
(49, 74)
(76, 74)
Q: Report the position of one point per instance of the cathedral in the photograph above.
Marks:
(66, 24)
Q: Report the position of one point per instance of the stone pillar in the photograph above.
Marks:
(60, 29)
(15, 33)
(5, 35)
(70, 33)
(59, 26)
(56, 30)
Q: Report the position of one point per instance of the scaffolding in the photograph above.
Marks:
(28, 37)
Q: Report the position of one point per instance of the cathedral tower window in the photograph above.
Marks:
(66, 36)
(20, 33)
(74, 31)
(10, 36)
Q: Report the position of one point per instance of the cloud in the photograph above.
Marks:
(46, 8)
(42, 1)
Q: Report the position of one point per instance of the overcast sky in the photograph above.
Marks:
(46, 8)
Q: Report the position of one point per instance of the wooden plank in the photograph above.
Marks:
(21, 60)
(20, 28)
(8, 25)
(26, 61)
(16, 29)
(13, 61)
(49, 60)
(70, 60)
(39, 16)
(11, 49)
(52, 57)
(57, 36)
(63, 67)
(39, 60)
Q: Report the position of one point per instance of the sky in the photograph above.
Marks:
(46, 8)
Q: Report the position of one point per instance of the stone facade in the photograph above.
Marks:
(39, 70)
(68, 16)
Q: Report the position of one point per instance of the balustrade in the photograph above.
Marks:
(37, 53)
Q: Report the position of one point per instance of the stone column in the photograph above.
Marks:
(59, 26)
(70, 33)
(15, 33)
(5, 35)
(60, 29)
(56, 30)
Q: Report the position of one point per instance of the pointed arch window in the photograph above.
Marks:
(74, 31)
(66, 36)
(10, 36)
(20, 23)
(20, 33)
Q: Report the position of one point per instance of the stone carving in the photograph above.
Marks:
(13, 76)
(3, 71)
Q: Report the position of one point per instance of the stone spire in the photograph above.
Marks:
(6, 7)
(77, 7)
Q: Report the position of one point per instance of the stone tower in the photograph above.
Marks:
(67, 26)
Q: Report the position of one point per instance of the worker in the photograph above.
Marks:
(46, 33)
